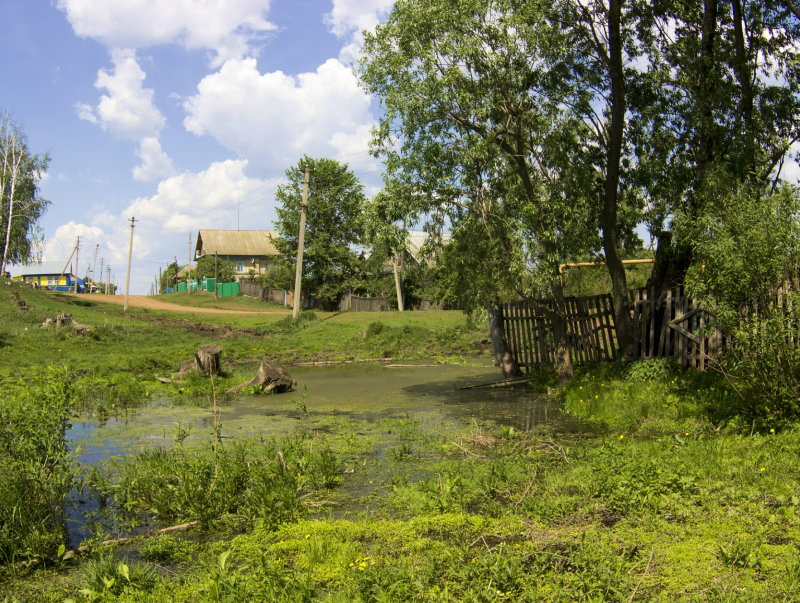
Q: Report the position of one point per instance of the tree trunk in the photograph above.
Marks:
(705, 129)
(207, 358)
(502, 357)
(14, 169)
(743, 75)
(616, 269)
(398, 280)
(561, 336)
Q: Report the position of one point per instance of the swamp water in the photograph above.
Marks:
(335, 402)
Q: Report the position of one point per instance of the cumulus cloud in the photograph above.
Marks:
(227, 28)
(127, 110)
(182, 204)
(155, 162)
(273, 118)
(349, 18)
(204, 199)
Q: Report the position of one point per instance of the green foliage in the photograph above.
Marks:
(657, 369)
(106, 578)
(37, 473)
(517, 186)
(747, 245)
(208, 266)
(26, 238)
(333, 227)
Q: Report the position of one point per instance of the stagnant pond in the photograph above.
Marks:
(362, 392)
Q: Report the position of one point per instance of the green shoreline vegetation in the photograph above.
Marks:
(665, 494)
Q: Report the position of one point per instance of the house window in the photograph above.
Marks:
(51, 280)
(239, 265)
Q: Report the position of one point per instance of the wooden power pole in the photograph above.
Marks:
(128, 276)
(94, 265)
(189, 267)
(77, 264)
(298, 277)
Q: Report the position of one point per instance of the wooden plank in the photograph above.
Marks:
(524, 327)
(636, 336)
(608, 322)
(652, 321)
(530, 326)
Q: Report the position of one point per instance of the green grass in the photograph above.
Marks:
(146, 344)
(200, 299)
(667, 495)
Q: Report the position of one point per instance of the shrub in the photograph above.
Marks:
(746, 245)
(36, 476)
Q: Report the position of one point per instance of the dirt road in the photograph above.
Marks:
(148, 303)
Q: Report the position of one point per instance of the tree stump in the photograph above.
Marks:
(271, 375)
(207, 358)
(62, 320)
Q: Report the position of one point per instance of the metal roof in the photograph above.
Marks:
(41, 269)
(255, 243)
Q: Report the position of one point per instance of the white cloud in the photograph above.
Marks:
(204, 199)
(349, 18)
(155, 162)
(273, 118)
(127, 110)
(182, 204)
(229, 28)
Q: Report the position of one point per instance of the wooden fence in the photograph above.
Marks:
(348, 301)
(266, 295)
(670, 325)
(590, 329)
(673, 325)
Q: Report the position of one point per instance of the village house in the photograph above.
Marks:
(53, 275)
(246, 249)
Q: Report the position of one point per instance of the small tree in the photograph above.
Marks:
(20, 204)
(333, 226)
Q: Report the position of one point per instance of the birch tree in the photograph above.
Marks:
(20, 203)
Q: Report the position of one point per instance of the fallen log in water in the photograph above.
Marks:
(503, 383)
(271, 375)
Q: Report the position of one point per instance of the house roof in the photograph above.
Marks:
(52, 267)
(416, 239)
(236, 242)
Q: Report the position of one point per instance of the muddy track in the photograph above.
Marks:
(148, 303)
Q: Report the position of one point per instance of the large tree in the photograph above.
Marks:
(21, 207)
(714, 108)
(472, 134)
(333, 225)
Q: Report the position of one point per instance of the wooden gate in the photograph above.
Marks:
(673, 325)
(590, 328)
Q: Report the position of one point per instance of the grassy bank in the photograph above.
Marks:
(129, 349)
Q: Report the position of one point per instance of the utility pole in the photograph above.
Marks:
(189, 267)
(108, 278)
(215, 275)
(298, 277)
(96, 249)
(102, 260)
(158, 290)
(128, 277)
(77, 263)
(175, 258)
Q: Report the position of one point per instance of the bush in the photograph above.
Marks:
(36, 476)
(746, 246)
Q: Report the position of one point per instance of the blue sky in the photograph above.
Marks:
(167, 110)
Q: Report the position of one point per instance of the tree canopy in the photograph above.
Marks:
(333, 225)
(21, 206)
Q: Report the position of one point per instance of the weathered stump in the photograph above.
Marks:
(186, 366)
(271, 375)
(82, 329)
(63, 320)
(207, 358)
